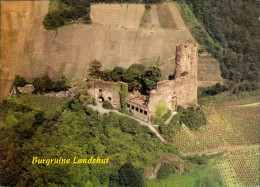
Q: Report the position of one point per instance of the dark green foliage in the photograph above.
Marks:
(115, 75)
(123, 93)
(53, 20)
(130, 176)
(214, 90)
(39, 118)
(107, 105)
(78, 131)
(233, 30)
(95, 69)
(137, 76)
(192, 118)
(197, 159)
(165, 170)
(45, 84)
(147, 7)
(133, 76)
(150, 78)
(19, 81)
(61, 85)
(63, 12)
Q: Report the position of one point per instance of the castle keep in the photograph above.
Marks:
(181, 91)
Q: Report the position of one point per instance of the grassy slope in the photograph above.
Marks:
(207, 175)
(39, 102)
(145, 19)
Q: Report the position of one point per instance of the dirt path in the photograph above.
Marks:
(223, 149)
(248, 105)
(170, 118)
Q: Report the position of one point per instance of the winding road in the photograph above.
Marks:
(101, 110)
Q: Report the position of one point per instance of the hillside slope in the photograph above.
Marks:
(114, 38)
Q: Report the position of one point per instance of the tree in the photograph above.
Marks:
(133, 75)
(38, 85)
(150, 78)
(117, 74)
(19, 81)
(95, 69)
(47, 83)
(62, 84)
(129, 176)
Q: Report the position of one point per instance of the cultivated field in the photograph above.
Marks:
(208, 71)
(229, 125)
(233, 128)
(240, 167)
(17, 19)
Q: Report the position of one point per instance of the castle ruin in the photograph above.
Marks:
(181, 91)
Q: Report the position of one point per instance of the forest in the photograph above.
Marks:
(229, 31)
(68, 128)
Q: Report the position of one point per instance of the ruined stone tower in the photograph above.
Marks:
(182, 91)
(186, 60)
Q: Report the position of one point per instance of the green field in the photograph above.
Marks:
(43, 103)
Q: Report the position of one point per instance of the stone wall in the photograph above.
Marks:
(182, 91)
(103, 90)
(179, 92)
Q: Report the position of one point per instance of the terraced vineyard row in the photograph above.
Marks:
(240, 167)
(229, 125)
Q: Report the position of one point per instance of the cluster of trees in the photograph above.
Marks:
(234, 37)
(137, 76)
(192, 117)
(65, 11)
(231, 86)
(44, 84)
(78, 131)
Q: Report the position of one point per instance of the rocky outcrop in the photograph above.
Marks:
(27, 89)
(177, 163)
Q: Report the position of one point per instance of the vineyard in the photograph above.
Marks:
(240, 167)
(233, 126)
(228, 125)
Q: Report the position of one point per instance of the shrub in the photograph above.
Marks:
(63, 12)
(193, 118)
(130, 176)
(107, 105)
(165, 171)
(147, 7)
(45, 84)
(160, 110)
(19, 81)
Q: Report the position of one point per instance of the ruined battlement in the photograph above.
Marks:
(105, 91)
